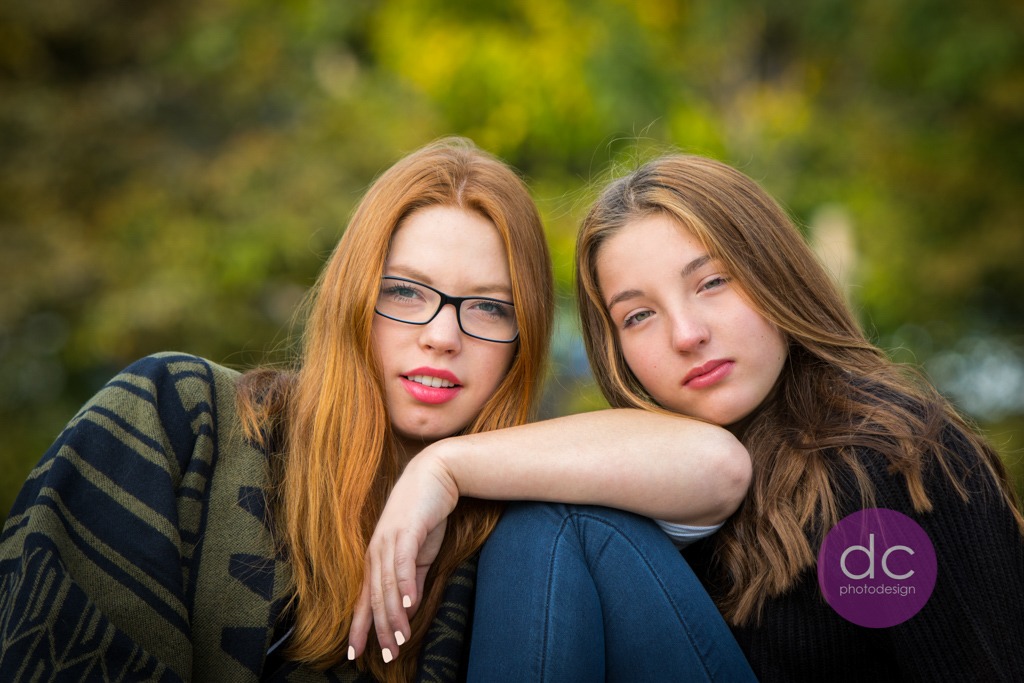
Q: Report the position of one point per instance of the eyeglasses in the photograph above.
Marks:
(415, 303)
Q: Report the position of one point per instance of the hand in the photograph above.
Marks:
(404, 544)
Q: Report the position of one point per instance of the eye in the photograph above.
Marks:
(636, 318)
(491, 309)
(714, 282)
(401, 292)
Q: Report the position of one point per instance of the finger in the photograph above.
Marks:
(406, 552)
(394, 601)
(362, 617)
(385, 604)
(428, 550)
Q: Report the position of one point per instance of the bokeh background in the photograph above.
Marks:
(173, 174)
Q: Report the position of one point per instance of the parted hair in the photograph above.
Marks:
(837, 395)
(336, 456)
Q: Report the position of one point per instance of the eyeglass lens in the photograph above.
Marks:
(416, 303)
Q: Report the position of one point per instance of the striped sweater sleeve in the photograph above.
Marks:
(96, 556)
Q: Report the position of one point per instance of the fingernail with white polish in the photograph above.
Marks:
(386, 653)
(351, 653)
(399, 638)
(406, 601)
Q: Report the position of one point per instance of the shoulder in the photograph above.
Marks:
(965, 497)
(161, 408)
(167, 379)
(174, 366)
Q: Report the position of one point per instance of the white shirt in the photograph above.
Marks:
(683, 535)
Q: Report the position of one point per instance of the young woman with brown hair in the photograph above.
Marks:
(699, 297)
(840, 428)
(191, 523)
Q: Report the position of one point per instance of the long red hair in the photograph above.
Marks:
(336, 460)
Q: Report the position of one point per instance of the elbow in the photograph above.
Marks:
(735, 472)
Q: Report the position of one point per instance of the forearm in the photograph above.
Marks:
(667, 467)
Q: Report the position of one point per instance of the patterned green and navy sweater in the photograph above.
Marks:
(139, 547)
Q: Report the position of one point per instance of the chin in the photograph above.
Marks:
(427, 435)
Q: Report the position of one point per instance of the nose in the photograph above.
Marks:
(442, 334)
(688, 332)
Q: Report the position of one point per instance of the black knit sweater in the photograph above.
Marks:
(971, 628)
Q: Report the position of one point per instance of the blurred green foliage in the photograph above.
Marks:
(172, 175)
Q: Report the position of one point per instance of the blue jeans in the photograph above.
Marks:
(579, 593)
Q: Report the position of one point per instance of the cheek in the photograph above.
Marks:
(496, 362)
(770, 336)
(776, 349)
(379, 339)
(642, 361)
(782, 351)
(505, 360)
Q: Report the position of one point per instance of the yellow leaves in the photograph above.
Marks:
(337, 71)
(696, 128)
(502, 80)
(657, 15)
(173, 174)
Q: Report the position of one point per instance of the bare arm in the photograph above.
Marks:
(668, 467)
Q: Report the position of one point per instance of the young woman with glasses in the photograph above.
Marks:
(699, 297)
(191, 523)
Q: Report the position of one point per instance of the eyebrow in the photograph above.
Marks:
(480, 290)
(695, 265)
(688, 270)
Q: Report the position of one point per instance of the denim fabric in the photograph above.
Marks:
(579, 593)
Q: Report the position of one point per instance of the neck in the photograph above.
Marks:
(406, 449)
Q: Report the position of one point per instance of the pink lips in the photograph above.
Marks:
(709, 374)
(428, 394)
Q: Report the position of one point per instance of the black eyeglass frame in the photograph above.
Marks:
(455, 301)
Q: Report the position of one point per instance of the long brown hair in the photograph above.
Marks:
(836, 395)
(336, 454)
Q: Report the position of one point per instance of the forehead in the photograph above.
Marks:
(644, 243)
(449, 247)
